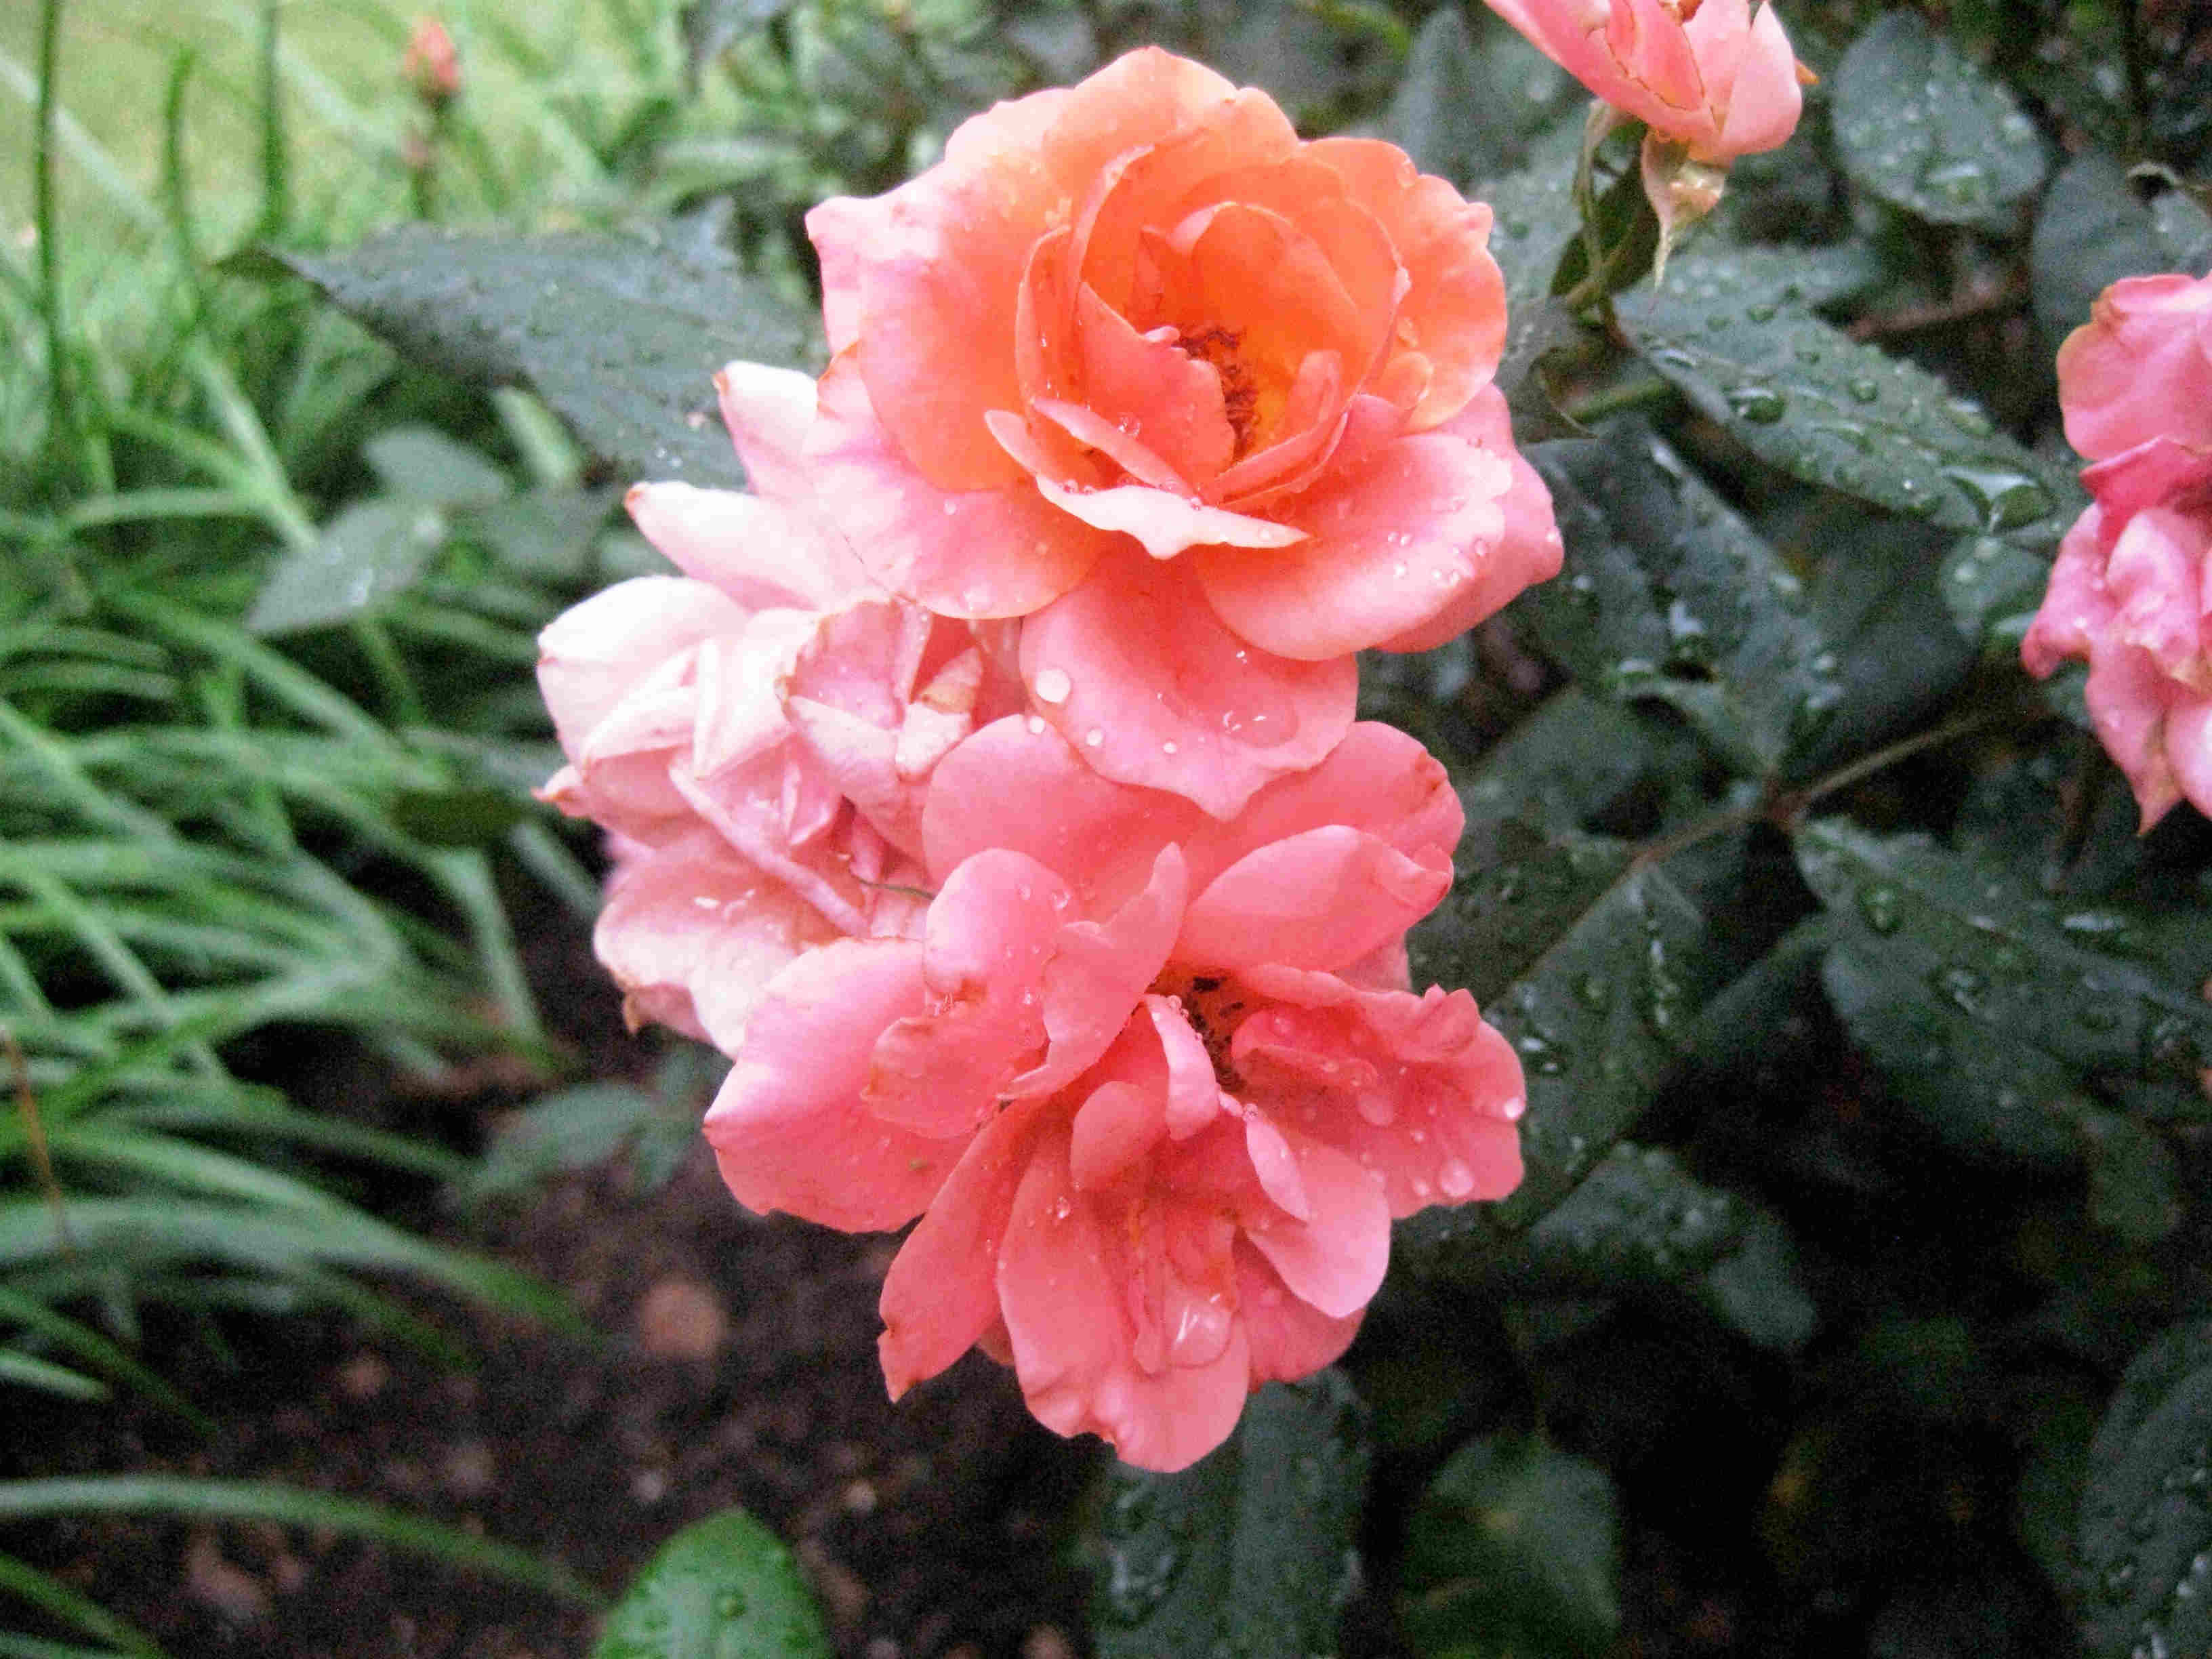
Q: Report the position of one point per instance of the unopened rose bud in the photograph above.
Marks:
(430, 64)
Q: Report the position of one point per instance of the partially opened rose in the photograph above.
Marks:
(1710, 75)
(2131, 590)
(1209, 406)
(1155, 1083)
(756, 734)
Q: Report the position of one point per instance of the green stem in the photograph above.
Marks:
(61, 414)
(276, 186)
(1632, 394)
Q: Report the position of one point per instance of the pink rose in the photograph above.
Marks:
(2131, 590)
(1155, 1083)
(1209, 406)
(1703, 74)
(430, 64)
(756, 734)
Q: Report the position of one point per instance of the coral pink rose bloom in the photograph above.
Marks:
(756, 734)
(1707, 75)
(2131, 590)
(1210, 406)
(1155, 1083)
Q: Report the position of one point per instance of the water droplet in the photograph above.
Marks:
(1962, 986)
(731, 1604)
(1454, 1179)
(1035, 724)
(1760, 404)
(1094, 738)
(1053, 686)
(2004, 498)
(1863, 388)
(1878, 905)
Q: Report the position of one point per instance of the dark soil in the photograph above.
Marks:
(736, 1364)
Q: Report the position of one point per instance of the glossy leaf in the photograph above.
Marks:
(1806, 398)
(1513, 1551)
(2145, 1542)
(1473, 98)
(1990, 1006)
(424, 464)
(1640, 1222)
(620, 337)
(2096, 226)
(370, 551)
(1667, 594)
(1248, 1553)
(1918, 125)
(723, 1587)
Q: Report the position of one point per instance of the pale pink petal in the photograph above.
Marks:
(941, 1294)
(1096, 971)
(2127, 697)
(1117, 1124)
(757, 553)
(1016, 784)
(1064, 1310)
(1320, 899)
(992, 929)
(1166, 524)
(1335, 1259)
(1135, 670)
(2152, 473)
(593, 654)
(1154, 390)
(2152, 573)
(1289, 1338)
(2076, 607)
(996, 552)
(2189, 750)
(1527, 550)
(1193, 1097)
(788, 1128)
(2140, 368)
(1378, 781)
(1764, 97)
(768, 412)
(1390, 540)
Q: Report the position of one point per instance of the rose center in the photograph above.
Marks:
(1215, 1007)
(1240, 395)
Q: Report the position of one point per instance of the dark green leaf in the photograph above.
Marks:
(723, 1587)
(457, 816)
(1992, 586)
(1248, 1552)
(1468, 107)
(2146, 1532)
(422, 463)
(1990, 1004)
(1733, 276)
(1919, 125)
(1603, 966)
(1567, 763)
(1667, 594)
(546, 532)
(2131, 1179)
(1535, 216)
(370, 551)
(1513, 1552)
(2094, 228)
(577, 1128)
(712, 26)
(1876, 601)
(1809, 399)
(1642, 1222)
(620, 337)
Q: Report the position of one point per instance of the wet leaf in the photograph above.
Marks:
(620, 337)
(1535, 218)
(723, 1587)
(1667, 594)
(1471, 98)
(1991, 1005)
(1807, 398)
(1642, 1222)
(2096, 226)
(1513, 1551)
(422, 463)
(1246, 1554)
(2145, 1540)
(544, 533)
(369, 552)
(1920, 125)
(1593, 968)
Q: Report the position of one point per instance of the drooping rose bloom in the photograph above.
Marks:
(1209, 406)
(1706, 74)
(754, 734)
(2131, 591)
(1155, 1083)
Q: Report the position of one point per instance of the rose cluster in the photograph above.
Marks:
(987, 786)
(2132, 588)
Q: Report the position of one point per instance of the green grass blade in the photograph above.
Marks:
(247, 1500)
(97, 1352)
(28, 1371)
(57, 1601)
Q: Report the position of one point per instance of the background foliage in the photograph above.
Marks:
(1853, 1302)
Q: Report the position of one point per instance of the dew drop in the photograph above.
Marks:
(1454, 1179)
(1053, 686)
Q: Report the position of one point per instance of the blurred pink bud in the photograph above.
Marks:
(430, 64)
